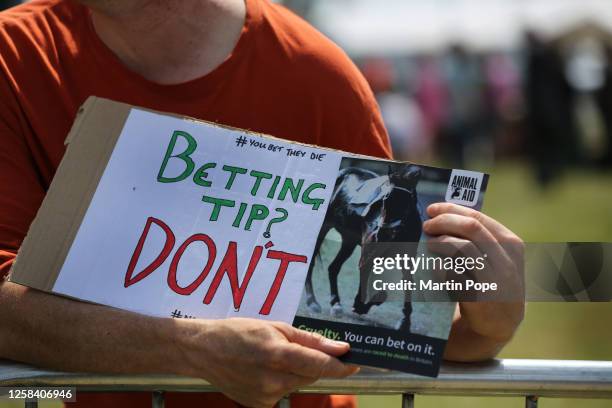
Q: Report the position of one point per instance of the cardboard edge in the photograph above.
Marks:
(70, 193)
(266, 136)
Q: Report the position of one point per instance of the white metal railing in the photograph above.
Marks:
(530, 379)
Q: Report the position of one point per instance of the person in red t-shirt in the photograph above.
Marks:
(248, 64)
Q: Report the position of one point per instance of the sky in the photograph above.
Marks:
(396, 26)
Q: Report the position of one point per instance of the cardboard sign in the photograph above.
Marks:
(189, 216)
(173, 217)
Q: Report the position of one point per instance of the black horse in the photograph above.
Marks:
(366, 208)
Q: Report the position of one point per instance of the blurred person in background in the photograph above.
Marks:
(432, 98)
(604, 101)
(505, 98)
(464, 81)
(402, 116)
(551, 139)
(585, 66)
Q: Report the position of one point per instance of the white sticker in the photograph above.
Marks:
(464, 187)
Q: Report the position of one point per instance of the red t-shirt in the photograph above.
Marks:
(283, 78)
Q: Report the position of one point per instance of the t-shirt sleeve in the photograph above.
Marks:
(21, 190)
(367, 135)
(374, 139)
(353, 121)
(353, 107)
(345, 108)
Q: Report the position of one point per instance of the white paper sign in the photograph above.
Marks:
(191, 219)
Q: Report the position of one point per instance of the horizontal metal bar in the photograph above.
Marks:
(544, 378)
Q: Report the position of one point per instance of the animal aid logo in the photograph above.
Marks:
(464, 187)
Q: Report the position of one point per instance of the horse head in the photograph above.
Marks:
(406, 177)
(400, 219)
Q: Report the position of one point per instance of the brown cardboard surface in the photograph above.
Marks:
(90, 144)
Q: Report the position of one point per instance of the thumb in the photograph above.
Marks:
(314, 341)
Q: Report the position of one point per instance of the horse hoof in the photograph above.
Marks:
(336, 310)
(314, 307)
(361, 309)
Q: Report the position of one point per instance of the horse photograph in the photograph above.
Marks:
(372, 202)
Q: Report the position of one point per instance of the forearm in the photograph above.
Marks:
(54, 332)
(481, 330)
(465, 345)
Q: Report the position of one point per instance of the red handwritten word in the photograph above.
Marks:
(228, 266)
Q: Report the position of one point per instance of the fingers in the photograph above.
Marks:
(464, 223)
(447, 245)
(275, 357)
(474, 223)
(311, 355)
(308, 362)
(458, 226)
(314, 340)
(464, 230)
(497, 230)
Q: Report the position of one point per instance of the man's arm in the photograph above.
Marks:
(480, 329)
(253, 362)
(465, 344)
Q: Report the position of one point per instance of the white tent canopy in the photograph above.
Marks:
(408, 26)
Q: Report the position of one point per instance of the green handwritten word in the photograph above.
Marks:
(257, 212)
(262, 183)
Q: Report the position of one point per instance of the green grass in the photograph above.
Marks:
(576, 208)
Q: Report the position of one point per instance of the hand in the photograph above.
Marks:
(256, 363)
(474, 233)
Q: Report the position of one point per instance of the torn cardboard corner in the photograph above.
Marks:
(89, 146)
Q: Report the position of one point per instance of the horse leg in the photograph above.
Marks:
(404, 324)
(311, 300)
(360, 306)
(346, 249)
